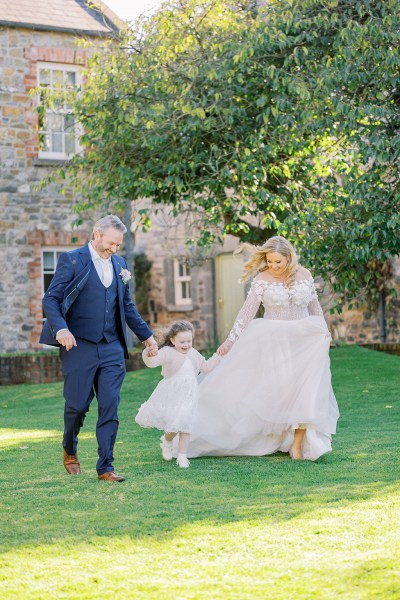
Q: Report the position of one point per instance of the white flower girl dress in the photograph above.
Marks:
(172, 407)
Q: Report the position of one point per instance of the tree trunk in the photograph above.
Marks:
(381, 316)
(129, 261)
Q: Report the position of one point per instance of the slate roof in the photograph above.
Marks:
(59, 15)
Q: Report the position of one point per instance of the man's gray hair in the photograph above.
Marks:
(109, 221)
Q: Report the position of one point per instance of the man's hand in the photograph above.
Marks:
(224, 348)
(152, 346)
(66, 339)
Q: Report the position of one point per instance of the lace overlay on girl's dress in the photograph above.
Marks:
(173, 404)
(280, 302)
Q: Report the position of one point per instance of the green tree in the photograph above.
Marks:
(142, 270)
(351, 233)
(278, 119)
(212, 108)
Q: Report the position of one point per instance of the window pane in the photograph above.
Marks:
(48, 261)
(44, 77)
(183, 270)
(70, 143)
(57, 142)
(58, 104)
(70, 79)
(44, 143)
(53, 122)
(47, 280)
(57, 79)
(69, 122)
(58, 118)
(185, 290)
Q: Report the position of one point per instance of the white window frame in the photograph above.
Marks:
(180, 283)
(55, 250)
(62, 111)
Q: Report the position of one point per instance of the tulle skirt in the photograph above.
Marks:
(275, 379)
(172, 407)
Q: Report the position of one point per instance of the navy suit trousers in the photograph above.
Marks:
(93, 369)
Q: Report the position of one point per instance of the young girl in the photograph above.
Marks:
(172, 406)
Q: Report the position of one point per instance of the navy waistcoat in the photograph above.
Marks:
(93, 315)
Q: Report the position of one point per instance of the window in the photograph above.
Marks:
(58, 136)
(50, 257)
(182, 283)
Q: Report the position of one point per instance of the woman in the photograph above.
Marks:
(272, 392)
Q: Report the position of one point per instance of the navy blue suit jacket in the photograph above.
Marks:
(71, 276)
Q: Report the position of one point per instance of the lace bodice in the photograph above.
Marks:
(280, 302)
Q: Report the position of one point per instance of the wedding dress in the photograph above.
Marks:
(275, 379)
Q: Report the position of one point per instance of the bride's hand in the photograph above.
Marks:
(224, 348)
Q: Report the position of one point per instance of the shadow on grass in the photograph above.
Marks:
(42, 504)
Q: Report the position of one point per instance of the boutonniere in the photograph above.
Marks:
(126, 275)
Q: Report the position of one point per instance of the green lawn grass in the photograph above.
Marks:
(245, 528)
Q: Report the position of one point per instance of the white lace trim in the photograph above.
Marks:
(236, 330)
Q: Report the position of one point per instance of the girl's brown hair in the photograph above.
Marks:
(258, 259)
(175, 328)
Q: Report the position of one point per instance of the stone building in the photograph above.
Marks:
(209, 294)
(38, 47)
(38, 40)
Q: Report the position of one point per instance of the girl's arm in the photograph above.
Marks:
(207, 365)
(154, 361)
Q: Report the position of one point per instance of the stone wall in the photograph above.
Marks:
(161, 302)
(361, 326)
(387, 348)
(45, 368)
(30, 219)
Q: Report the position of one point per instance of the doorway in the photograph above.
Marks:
(230, 294)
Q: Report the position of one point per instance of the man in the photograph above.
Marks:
(87, 305)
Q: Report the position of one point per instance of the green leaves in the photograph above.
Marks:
(285, 116)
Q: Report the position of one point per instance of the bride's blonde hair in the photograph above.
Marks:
(258, 259)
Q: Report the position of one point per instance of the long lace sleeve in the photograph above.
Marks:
(314, 307)
(248, 310)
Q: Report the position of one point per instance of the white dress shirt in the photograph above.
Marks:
(103, 266)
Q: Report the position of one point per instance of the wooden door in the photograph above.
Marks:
(230, 294)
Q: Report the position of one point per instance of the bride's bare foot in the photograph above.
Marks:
(296, 449)
(296, 454)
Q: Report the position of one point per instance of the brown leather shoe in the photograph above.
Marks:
(111, 476)
(71, 463)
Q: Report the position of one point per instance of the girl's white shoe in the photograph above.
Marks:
(182, 461)
(166, 448)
